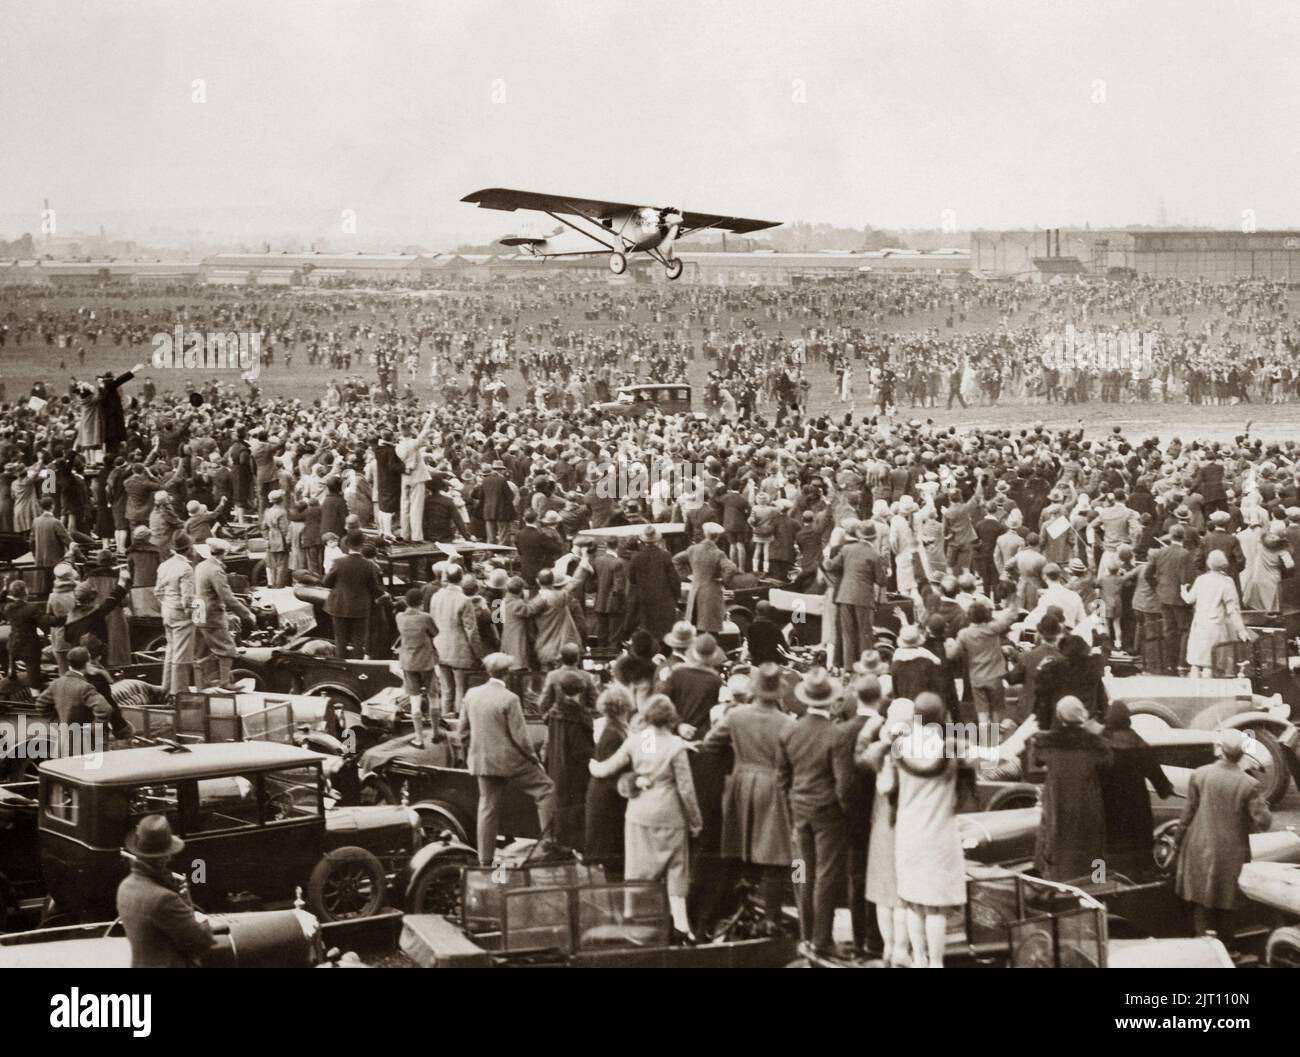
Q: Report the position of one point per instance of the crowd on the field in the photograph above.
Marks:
(885, 340)
(1094, 543)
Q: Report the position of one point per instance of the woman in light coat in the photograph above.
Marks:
(1216, 613)
(662, 814)
(873, 751)
(928, 862)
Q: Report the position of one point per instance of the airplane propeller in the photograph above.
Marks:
(670, 220)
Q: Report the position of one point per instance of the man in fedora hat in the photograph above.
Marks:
(693, 686)
(160, 922)
(860, 573)
(809, 768)
(653, 587)
(755, 816)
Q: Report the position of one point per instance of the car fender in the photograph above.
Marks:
(1286, 732)
(425, 855)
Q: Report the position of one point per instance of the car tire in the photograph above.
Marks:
(374, 790)
(1283, 950)
(236, 674)
(1278, 778)
(347, 883)
(436, 888)
(437, 818)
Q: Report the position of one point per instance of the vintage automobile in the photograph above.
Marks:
(1209, 704)
(567, 914)
(1276, 886)
(633, 401)
(254, 819)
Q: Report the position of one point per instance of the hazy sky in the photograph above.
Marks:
(851, 112)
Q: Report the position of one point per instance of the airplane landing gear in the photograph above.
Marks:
(674, 268)
(617, 263)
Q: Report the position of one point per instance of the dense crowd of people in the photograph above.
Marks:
(690, 765)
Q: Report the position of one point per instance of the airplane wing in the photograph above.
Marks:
(595, 209)
(736, 225)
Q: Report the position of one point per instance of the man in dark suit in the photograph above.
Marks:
(1025, 671)
(354, 588)
(856, 792)
(498, 502)
(860, 571)
(160, 923)
(654, 589)
(500, 754)
(1172, 568)
(1221, 538)
(987, 531)
(810, 765)
(610, 601)
(537, 548)
(1208, 483)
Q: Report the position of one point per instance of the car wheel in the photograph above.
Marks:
(237, 674)
(437, 819)
(436, 888)
(1283, 951)
(347, 883)
(1013, 798)
(1276, 775)
(1164, 851)
(375, 791)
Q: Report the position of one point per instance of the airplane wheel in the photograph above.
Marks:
(675, 268)
(617, 263)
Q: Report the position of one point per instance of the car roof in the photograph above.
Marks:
(654, 385)
(670, 528)
(155, 763)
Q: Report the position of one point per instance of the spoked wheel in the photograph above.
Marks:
(347, 883)
(1165, 849)
(617, 263)
(675, 267)
(436, 888)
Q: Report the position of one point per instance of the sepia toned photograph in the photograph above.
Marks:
(649, 484)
